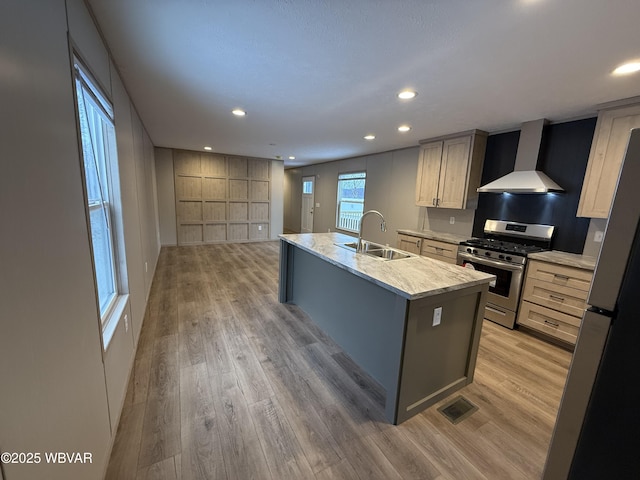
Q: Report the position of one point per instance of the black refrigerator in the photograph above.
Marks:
(597, 431)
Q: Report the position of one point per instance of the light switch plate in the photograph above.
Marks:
(598, 236)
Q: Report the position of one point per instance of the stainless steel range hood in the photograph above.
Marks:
(525, 178)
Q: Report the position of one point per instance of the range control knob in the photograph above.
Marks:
(470, 250)
(508, 259)
(488, 254)
(475, 251)
(501, 257)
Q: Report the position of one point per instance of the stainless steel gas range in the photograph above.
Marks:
(503, 252)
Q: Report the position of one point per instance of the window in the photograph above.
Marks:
(307, 187)
(97, 134)
(350, 200)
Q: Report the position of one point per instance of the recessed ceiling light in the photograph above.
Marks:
(369, 137)
(291, 157)
(407, 94)
(404, 128)
(208, 148)
(278, 157)
(627, 68)
(238, 112)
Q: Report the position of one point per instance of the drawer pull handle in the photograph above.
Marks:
(557, 298)
(561, 277)
(553, 324)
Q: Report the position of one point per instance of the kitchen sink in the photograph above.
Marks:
(377, 250)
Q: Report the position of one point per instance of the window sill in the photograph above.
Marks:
(347, 232)
(112, 322)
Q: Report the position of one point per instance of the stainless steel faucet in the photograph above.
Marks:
(383, 227)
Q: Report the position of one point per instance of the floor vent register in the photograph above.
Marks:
(457, 409)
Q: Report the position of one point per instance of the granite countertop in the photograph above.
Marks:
(412, 278)
(564, 258)
(441, 236)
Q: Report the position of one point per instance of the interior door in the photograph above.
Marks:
(308, 189)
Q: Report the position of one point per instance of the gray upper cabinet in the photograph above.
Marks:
(449, 170)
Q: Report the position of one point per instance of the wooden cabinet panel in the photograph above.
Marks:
(605, 159)
(428, 174)
(453, 175)
(449, 170)
(560, 275)
(444, 251)
(551, 322)
(409, 243)
(554, 299)
(563, 299)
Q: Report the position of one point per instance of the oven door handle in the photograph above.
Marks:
(492, 263)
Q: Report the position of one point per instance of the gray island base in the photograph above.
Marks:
(413, 324)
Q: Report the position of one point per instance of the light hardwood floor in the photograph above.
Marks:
(230, 384)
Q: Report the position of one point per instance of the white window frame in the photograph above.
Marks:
(345, 221)
(103, 147)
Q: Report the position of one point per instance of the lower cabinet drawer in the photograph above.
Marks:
(567, 300)
(556, 324)
(435, 249)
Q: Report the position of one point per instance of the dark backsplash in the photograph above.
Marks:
(564, 155)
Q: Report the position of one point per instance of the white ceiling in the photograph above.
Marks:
(315, 76)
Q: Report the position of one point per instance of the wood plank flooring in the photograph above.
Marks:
(230, 384)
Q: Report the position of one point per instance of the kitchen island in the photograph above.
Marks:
(413, 323)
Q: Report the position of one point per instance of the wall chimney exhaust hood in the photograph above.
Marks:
(525, 178)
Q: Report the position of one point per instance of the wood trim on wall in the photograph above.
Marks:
(221, 198)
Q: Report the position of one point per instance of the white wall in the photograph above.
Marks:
(56, 393)
(390, 189)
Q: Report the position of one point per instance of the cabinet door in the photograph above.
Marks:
(428, 174)
(409, 243)
(446, 252)
(454, 172)
(605, 159)
(553, 323)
